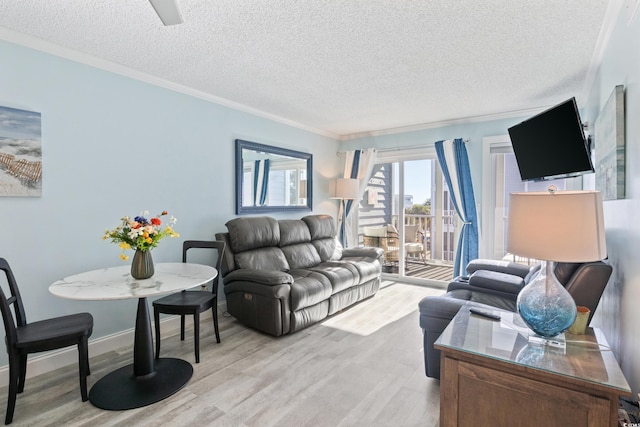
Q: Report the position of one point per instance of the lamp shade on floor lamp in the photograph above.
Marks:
(344, 189)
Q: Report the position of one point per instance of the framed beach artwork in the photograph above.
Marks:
(20, 153)
(610, 147)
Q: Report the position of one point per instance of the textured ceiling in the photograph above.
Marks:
(339, 66)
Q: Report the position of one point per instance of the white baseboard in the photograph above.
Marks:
(50, 361)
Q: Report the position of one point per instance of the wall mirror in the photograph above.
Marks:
(272, 179)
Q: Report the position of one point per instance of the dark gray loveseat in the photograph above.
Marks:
(283, 275)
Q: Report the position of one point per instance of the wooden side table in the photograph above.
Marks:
(492, 376)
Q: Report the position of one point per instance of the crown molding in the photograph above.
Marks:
(444, 123)
(76, 56)
(614, 9)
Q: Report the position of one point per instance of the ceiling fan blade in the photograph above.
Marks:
(168, 11)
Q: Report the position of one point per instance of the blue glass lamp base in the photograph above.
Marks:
(545, 305)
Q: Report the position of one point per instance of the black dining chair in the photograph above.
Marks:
(24, 338)
(191, 302)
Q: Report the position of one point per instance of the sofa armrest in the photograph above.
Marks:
(262, 277)
(490, 282)
(366, 251)
(493, 280)
(505, 267)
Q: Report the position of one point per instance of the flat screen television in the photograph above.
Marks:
(552, 145)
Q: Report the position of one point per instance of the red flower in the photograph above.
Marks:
(156, 221)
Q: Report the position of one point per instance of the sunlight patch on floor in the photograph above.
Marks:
(392, 302)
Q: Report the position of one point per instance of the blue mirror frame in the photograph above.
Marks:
(245, 152)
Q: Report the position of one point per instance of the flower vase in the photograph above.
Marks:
(142, 265)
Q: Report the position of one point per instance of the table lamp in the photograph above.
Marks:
(553, 226)
(344, 189)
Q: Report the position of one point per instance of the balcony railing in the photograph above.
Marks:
(438, 241)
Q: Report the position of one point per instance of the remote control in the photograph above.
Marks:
(485, 313)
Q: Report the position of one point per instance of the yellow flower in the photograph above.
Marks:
(125, 246)
(124, 257)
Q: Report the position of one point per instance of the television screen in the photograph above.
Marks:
(551, 145)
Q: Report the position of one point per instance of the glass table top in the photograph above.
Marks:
(586, 357)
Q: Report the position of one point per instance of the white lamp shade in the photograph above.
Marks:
(565, 226)
(344, 188)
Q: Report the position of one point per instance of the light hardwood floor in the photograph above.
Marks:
(361, 367)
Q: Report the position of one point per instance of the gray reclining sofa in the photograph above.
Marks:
(283, 275)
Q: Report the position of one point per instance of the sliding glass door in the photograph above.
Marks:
(407, 211)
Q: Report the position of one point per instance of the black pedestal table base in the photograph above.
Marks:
(147, 380)
(121, 389)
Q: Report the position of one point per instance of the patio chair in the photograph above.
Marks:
(385, 237)
(414, 244)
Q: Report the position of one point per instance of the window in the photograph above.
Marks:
(500, 178)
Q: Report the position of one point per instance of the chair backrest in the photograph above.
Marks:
(411, 234)
(587, 282)
(6, 304)
(207, 244)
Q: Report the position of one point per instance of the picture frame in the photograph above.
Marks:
(20, 152)
(610, 147)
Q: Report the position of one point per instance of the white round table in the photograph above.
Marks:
(146, 380)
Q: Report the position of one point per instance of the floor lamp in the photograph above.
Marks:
(553, 226)
(344, 189)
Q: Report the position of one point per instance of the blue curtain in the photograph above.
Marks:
(256, 168)
(265, 182)
(453, 159)
(355, 166)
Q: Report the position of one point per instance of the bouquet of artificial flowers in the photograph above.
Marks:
(140, 233)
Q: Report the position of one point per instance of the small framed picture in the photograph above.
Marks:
(20, 153)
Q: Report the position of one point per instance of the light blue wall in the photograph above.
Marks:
(114, 146)
(474, 132)
(618, 312)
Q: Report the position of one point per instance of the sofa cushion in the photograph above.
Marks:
(308, 288)
(321, 226)
(253, 233)
(368, 268)
(262, 259)
(328, 249)
(302, 255)
(293, 231)
(565, 270)
(342, 275)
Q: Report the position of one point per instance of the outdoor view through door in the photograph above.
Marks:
(406, 210)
